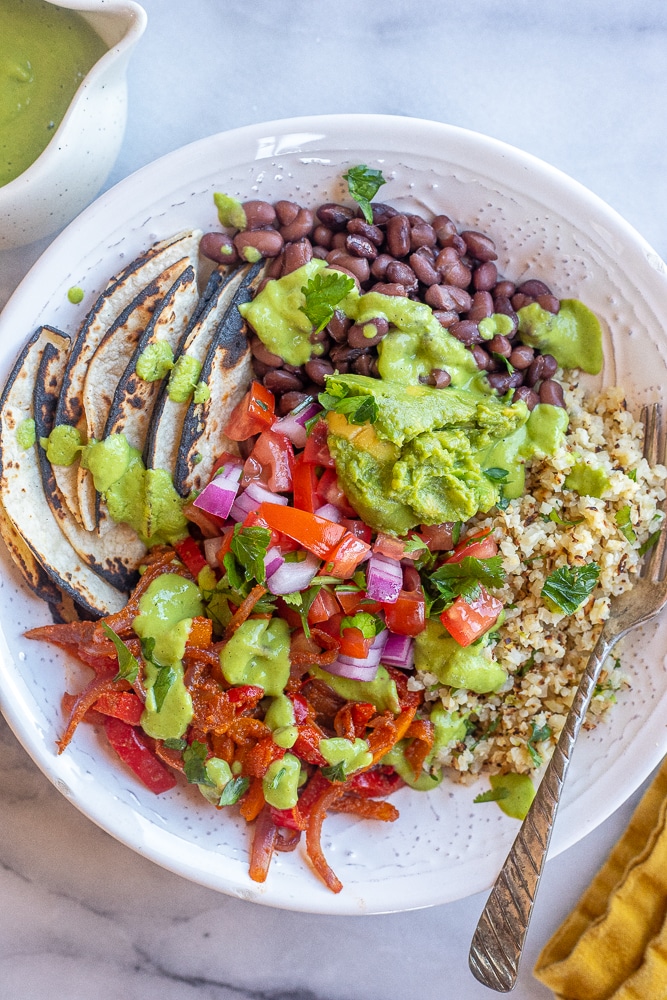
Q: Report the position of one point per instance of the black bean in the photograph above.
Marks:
(446, 317)
(530, 398)
(422, 234)
(502, 382)
(549, 366)
(382, 213)
(358, 334)
(375, 370)
(519, 300)
(258, 214)
(317, 368)
(504, 289)
(504, 306)
(481, 306)
(261, 352)
(552, 392)
(338, 240)
(254, 242)
(335, 217)
(260, 369)
(286, 211)
(291, 400)
(401, 274)
(360, 246)
(456, 243)
(438, 378)
(218, 247)
(548, 302)
(300, 226)
(522, 357)
(338, 326)
(483, 360)
(424, 269)
(500, 345)
(322, 236)
(389, 288)
(466, 331)
(280, 381)
(361, 228)
(295, 255)
(479, 246)
(441, 297)
(444, 227)
(380, 264)
(343, 353)
(363, 365)
(535, 371)
(533, 288)
(320, 252)
(485, 276)
(398, 235)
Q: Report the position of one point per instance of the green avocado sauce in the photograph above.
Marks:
(165, 616)
(353, 755)
(454, 665)
(45, 52)
(26, 433)
(573, 335)
(258, 653)
(516, 793)
(280, 784)
(155, 361)
(586, 481)
(380, 692)
(184, 378)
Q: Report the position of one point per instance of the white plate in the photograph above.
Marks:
(545, 225)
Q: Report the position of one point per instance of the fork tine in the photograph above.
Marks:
(655, 451)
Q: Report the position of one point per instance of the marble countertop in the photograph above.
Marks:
(583, 86)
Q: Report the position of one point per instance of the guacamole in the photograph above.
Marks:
(425, 457)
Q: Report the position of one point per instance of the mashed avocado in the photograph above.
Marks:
(424, 458)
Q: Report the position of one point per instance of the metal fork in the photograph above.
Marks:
(497, 943)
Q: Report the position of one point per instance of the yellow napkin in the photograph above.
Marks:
(613, 946)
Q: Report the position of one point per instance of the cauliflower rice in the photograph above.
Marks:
(544, 652)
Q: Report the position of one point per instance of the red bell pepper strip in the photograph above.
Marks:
(122, 705)
(190, 555)
(307, 745)
(466, 622)
(129, 745)
(314, 533)
(291, 819)
(375, 783)
(254, 414)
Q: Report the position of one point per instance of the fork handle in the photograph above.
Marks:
(500, 934)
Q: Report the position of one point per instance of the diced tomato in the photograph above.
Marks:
(467, 622)
(323, 607)
(387, 545)
(438, 537)
(329, 489)
(131, 749)
(479, 546)
(353, 643)
(343, 560)
(270, 462)
(358, 528)
(254, 414)
(316, 450)
(226, 535)
(226, 458)
(191, 556)
(122, 705)
(352, 601)
(304, 486)
(290, 615)
(377, 782)
(408, 615)
(314, 533)
(201, 632)
(207, 524)
(307, 745)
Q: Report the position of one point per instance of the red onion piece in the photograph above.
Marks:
(384, 579)
(330, 512)
(293, 576)
(211, 549)
(243, 505)
(263, 495)
(293, 425)
(399, 651)
(218, 497)
(273, 560)
(354, 671)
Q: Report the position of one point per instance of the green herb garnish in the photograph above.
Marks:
(194, 764)
(233, 791)
(492, 795)
(128, 666)
(369, 625)
(336, 772)
(175, 744)
(567, 588)
(357, 409)
(650, 543)
(624, 523)
(363, 183)
(322, 294)
(164, 680)
(538, 734)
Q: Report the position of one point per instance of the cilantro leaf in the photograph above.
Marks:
(175, 744)
(302, 601)
(557, 519)
(624, 523)
(488, 571)
(336, 772)
(128, 667)
(538, 734)
(274, 782)
(369, 625)
(632, 474)
(233, 791)
(414, 544)
(164, 680)
(194, 764)
(492, 795)
(322, 294)
(650, 543)
(357, 409)
(567, 587)
(245, 560)
(363, 183)
(496, 475)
